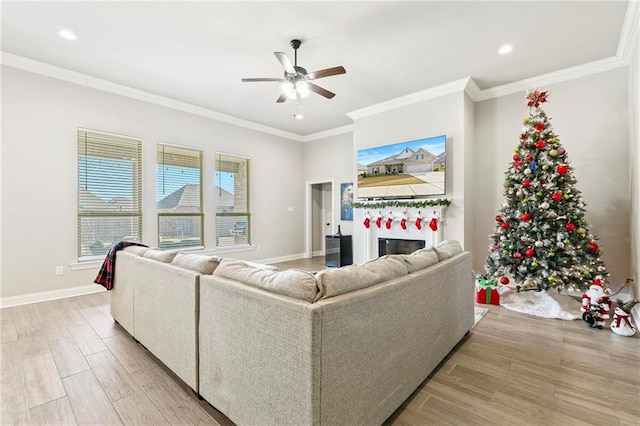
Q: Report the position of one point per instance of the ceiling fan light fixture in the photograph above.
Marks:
(302, 88)
(289, 89)
(506, 48)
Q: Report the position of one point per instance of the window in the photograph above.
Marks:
(179, 197)
(109, 191)
(233, 220)
(419, 156)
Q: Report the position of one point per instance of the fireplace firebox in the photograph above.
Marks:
(398, 246)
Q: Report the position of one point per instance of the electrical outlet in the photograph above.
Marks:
(59, 270)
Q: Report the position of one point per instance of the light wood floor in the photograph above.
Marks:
(66, 362)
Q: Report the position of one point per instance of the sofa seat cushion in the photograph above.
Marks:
(420, 259)
(387, 267)
(196, 262)
(335, 281)
(159, 255)
(290, 282)
(447, 249)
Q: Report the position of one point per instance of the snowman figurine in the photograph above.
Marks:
(595, 305)
(621, 323)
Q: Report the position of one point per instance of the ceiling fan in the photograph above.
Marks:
(296, 82)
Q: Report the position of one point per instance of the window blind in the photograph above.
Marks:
(109, 191)
(233, 219)
(179, 197)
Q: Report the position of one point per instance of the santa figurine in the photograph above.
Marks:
(621, 323)
(595, 305)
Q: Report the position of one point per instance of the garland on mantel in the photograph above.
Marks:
(400, 203)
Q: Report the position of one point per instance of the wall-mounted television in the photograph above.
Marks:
(403, 170)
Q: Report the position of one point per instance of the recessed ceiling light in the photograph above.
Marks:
(298, 116)
(67, 34)
(507, 48)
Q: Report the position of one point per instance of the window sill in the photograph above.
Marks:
(88, 262)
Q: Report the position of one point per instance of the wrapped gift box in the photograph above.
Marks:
(487, 292)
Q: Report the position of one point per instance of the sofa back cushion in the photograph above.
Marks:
(387, 267)
(159, 255)
(420, 259)
(335, 281)
(137, 250)
(196, 262)
(290, 282)
(447, 249)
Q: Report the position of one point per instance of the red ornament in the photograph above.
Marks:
(496, 246)
(504, 280)
(530, 252)
(539, 126)
(556, 196)
(517, 255)
(562, 169)
(529, 158)
(518, 164)
(563, 152)
(498, 218)
(526, 217)
(592, 247)
(526, 183)
(540, 145)
(570, 226)
(516, 157)
(523, 136)
(504, 225)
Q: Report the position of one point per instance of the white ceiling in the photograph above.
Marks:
(196, 52)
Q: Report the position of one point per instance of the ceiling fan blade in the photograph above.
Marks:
(249, 80)
(282, 98)
(286, 63)
(320, 91)
(326, 72)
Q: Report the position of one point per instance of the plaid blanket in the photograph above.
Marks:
(107, 270)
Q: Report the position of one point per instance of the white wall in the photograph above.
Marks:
(331, 158)
(443, 115)
(589, 115)
(40, 117)
(634, 163)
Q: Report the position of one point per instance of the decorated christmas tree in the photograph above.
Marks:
(541, 236)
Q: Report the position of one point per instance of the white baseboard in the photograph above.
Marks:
(317, 253)
(280, 259)
(24, 299)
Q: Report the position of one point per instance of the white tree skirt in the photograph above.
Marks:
(541, 304)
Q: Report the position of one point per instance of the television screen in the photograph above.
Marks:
(403, 170)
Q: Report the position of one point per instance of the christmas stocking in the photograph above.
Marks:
(379, 222)
(367, 222)
(389, 221)
(419, 222)
(433, 224)
(403, 223)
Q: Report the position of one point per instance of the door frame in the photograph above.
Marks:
(308, 246)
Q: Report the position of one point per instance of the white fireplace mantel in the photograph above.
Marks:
(426, 234)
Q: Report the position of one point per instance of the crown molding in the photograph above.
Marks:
(81, 79)
(413, 98)
(328, 133)
(566, 74)
(630, 30)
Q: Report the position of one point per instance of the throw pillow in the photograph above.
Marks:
(137, 250)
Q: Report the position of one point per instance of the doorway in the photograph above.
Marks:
(319, 218)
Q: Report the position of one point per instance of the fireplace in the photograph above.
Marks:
(398, 246)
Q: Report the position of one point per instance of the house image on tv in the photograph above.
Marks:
(408, 161)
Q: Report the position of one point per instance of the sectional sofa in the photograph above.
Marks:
(343, 346)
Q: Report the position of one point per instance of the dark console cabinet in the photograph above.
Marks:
(339, 250)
